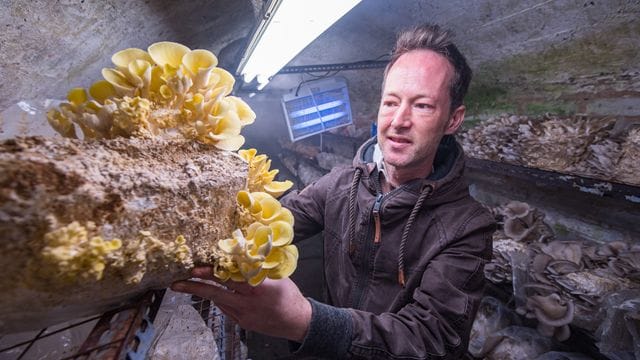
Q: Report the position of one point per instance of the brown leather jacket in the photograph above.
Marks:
(404, 270)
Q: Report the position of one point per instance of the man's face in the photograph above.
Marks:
(414, 111)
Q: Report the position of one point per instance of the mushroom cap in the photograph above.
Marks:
(517, 229)
(552, 310)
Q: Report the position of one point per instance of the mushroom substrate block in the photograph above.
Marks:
(85, 226)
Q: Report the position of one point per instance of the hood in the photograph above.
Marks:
(448, 164)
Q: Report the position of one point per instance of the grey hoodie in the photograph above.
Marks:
(404, 270)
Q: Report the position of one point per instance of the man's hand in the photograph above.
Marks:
(275, 307)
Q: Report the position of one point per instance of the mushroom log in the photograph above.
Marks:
(86, 225)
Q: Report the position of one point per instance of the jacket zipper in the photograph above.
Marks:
(361, 278)
(369, 250)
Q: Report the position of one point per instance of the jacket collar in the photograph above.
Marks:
(448, 167)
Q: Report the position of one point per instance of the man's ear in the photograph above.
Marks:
(455, 120)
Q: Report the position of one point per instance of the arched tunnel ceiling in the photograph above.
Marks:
(48, 47)
(486, 31)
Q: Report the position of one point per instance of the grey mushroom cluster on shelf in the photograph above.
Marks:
(579, 145)
(557, 282)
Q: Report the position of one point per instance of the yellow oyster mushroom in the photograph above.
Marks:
(156, 81)
(223, 267)
(266, 164)
(235, 245)
(250, 208)
(281, 233)
(193, 107)
(249, 269)
(260, 244)
(123, 58)
(61, 124)
(245, 113)
(185, 89)
(102, 90)
(77, 110)
(199, 59)
(260, 178)
(223, 274)
(119, 81)
(168, 53)
(247, 154)
(199, 64)
(227, 268)
(113, 244)
(132, 118)
(139, 73)
(71, 254)
(77, 96)
(222, 132)
(247, 201)
(219, 85)
(287, 264)
(221, 107)
(273, 211)
(259, 278)
(165, 91)
(260, 195)
(236, 106)
(264, 207)
(252, 228)
(96, 121)
(275, 258)
(182, 252)
(277, 188)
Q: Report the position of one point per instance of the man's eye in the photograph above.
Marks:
(424, 106)
(389, 103)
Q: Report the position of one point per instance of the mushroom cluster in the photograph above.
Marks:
(260, 177)
(171, 90)
(498, 334)
(165, 90)
(74, 251)
(577, 145)
(557, 282)
(628, 167)
(521, 225)
(262, 247)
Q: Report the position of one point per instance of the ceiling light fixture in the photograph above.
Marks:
(287, 27)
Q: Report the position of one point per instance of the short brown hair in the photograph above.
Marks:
(432, 37)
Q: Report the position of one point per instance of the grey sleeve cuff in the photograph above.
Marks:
(329, 334)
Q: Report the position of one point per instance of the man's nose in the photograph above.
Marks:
(402, 116)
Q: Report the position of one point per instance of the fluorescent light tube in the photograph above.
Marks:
(291, 26)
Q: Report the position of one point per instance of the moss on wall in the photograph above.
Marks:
(484, 99)
(560, 108)
(552, 80)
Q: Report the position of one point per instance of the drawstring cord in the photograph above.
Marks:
(352, 209)
(426, 191)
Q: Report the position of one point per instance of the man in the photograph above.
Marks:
(404, 243)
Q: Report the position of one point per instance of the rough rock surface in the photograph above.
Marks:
(144, 192)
